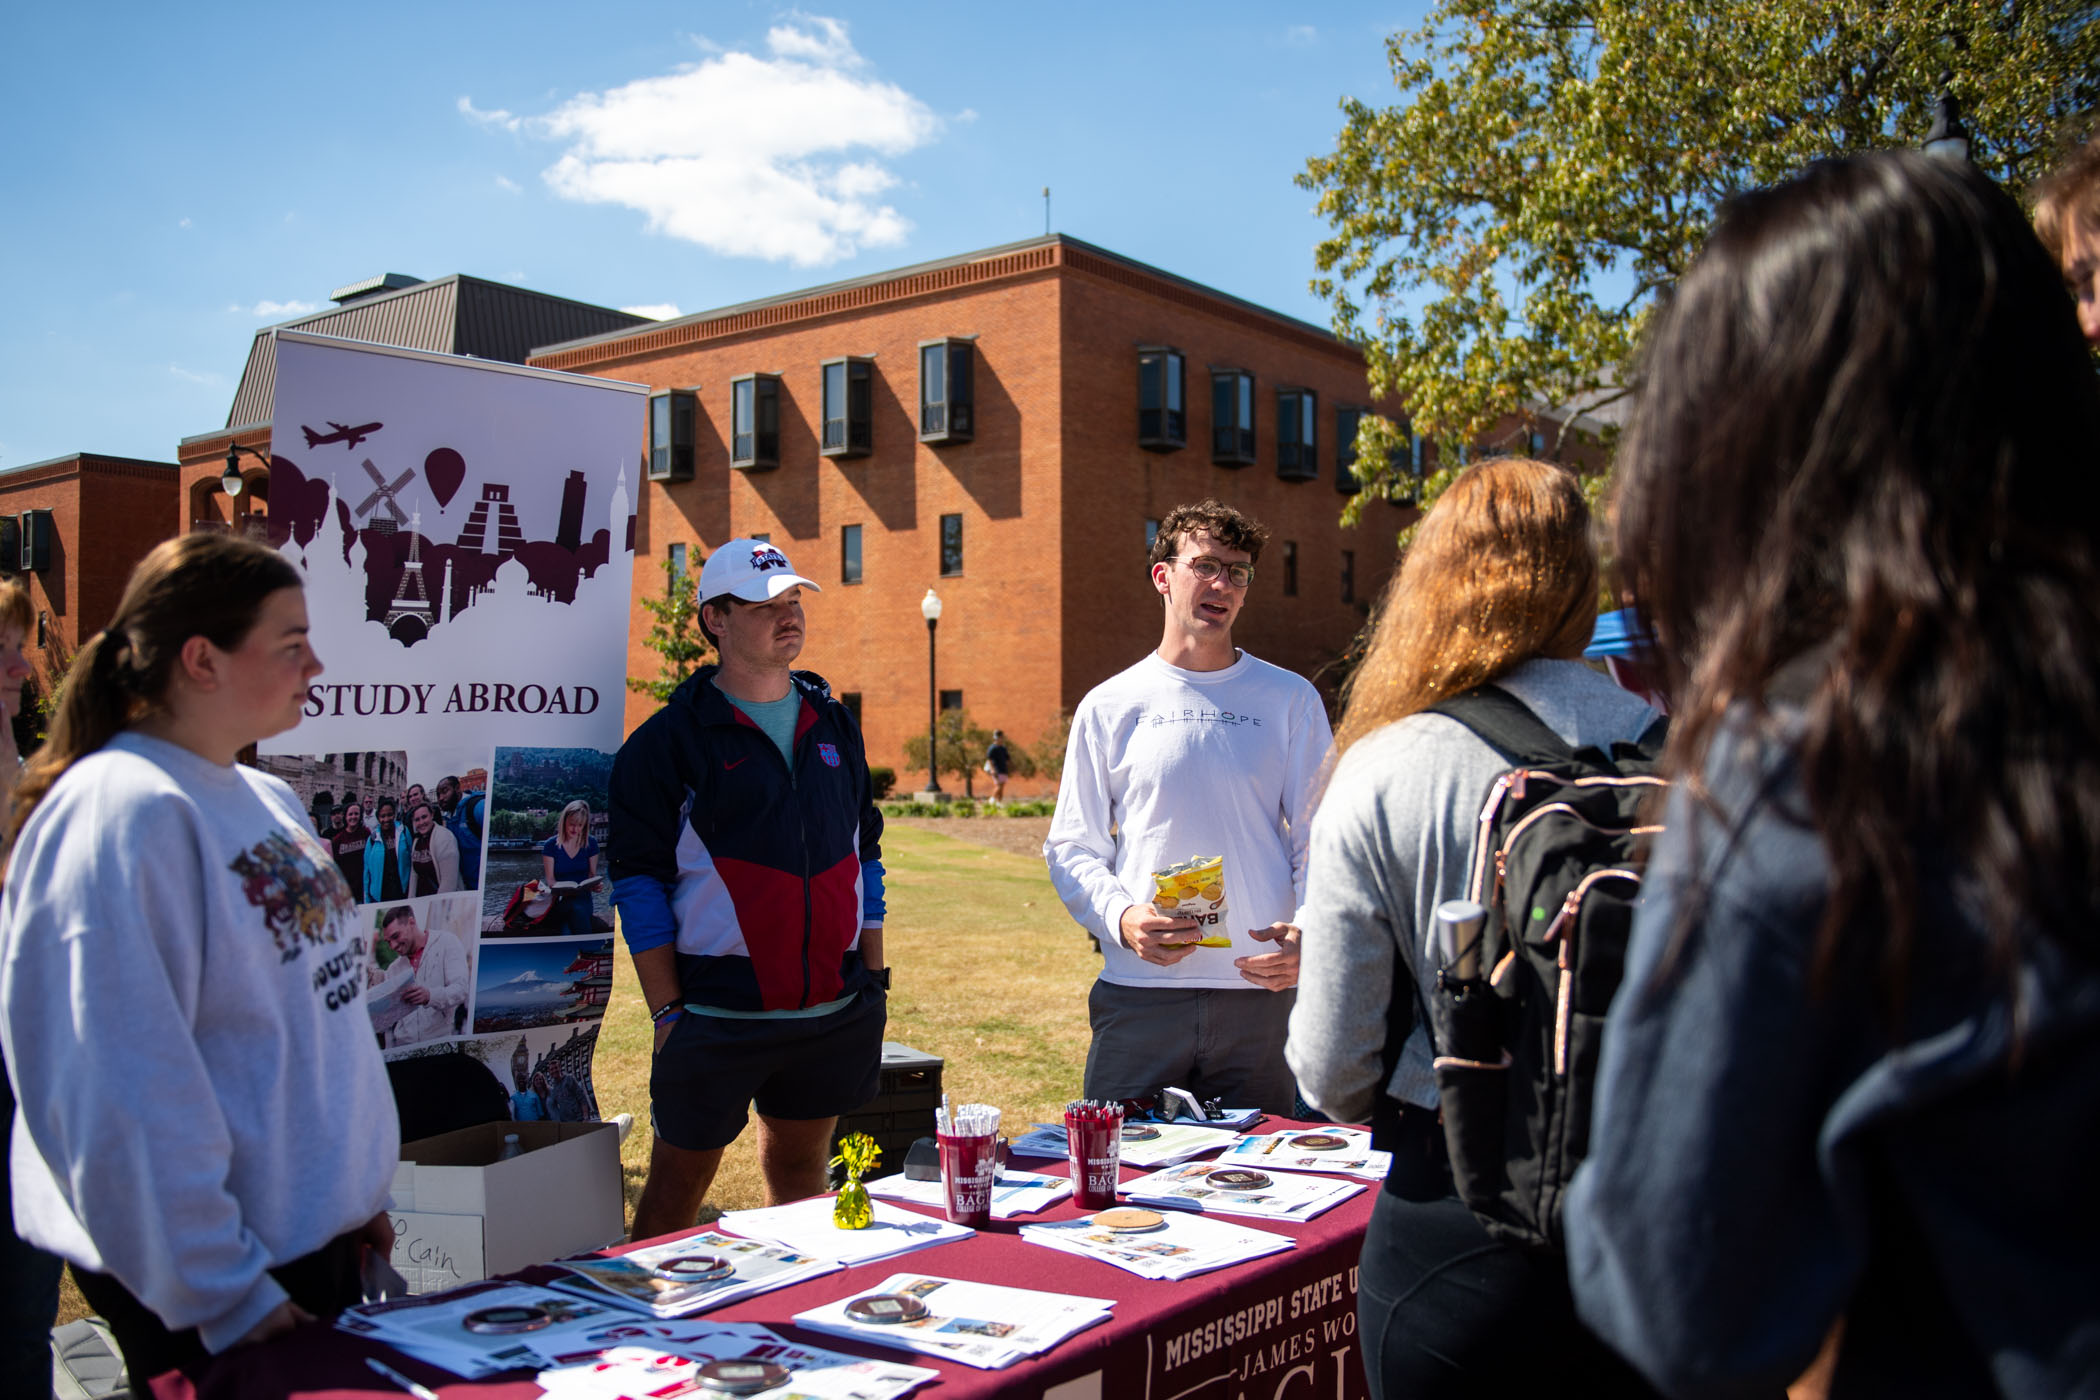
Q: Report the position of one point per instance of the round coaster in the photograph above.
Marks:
(746, 1375)
(1237, 1179)
(886, 1308)
(501, 1321)
(1139, 1132)
(694, 1268)
(1319, 1142)
(1130, 1220)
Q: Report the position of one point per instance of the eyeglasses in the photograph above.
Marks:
(1208, 569)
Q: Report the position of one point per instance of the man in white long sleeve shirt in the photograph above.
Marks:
(434, 966)
(1198, 750)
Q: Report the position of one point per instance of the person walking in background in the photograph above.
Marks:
(29, 1277)
(2067, 217)
(570, 856)
(1499, 589)
(1198, 749)
(205, 1131)
(465, 815)
(348, 845)
(997, 763)
(748, 878)
(388, 868)
(433, 855)
(1853, 1072)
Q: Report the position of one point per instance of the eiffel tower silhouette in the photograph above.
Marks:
(408, 618)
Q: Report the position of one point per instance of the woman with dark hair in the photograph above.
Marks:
(1499, 588)
(1854, 1069)
(347, 845)
(205, 1127)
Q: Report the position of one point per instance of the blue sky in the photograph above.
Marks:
(176, 176)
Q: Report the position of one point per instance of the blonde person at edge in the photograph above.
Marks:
(1198, 749)
(2067, 219)
(205, 1129)
(571, 855)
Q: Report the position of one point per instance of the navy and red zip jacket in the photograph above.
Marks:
(760, 873)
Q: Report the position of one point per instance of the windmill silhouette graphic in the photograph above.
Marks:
(383, 493)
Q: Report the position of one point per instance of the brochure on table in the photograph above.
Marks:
(807, 1228)
(1176, 1142)
(1344, 1150)
(1278, 1196)
(1013, 1192)
(633, 1280)
(978, 1324)
(1182, 1246)
(669, 1366)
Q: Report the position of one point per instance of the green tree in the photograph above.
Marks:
(1047, 753)
(674, 634)
(962, 745)
(1502, 233)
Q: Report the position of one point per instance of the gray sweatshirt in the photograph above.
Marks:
(182, 977)
(1392, 840)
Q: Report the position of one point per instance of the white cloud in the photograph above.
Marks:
(182, 223)
(777, 156)
(498, 118)
(275, 308)
(656, 311)
(191, 376)
(505, 183)
(1301, 35)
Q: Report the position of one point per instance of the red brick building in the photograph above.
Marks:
(71, 530)
(1004, 428)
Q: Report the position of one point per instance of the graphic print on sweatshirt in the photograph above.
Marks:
(302, 895)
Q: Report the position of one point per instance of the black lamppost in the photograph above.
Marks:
(930, 609)
(1949, 139)
(230, 481)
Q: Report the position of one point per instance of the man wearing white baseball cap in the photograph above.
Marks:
(746, 867)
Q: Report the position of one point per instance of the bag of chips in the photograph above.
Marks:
(1195, 889)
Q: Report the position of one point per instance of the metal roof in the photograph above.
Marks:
(458, 315)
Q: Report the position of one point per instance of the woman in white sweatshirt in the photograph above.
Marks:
(205, 1127)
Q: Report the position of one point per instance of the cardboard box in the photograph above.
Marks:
(461, 1215)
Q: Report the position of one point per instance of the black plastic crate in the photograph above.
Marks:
(902, 1110)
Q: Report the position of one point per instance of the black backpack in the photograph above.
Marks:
(1561, 844)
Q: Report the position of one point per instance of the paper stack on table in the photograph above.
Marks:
(1217, 1189)
(806, 1227)
(978, 1324)
(1013, 1193)
(438, 1328)
(654, 1368)
(633, 1280)
(1174, 1142)
(1344, 1150)
(1183, 1245)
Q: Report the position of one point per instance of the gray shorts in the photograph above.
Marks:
(1217, 1044)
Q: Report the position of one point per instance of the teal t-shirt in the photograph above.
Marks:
(776, 717)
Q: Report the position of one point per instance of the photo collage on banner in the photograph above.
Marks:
(467, 564)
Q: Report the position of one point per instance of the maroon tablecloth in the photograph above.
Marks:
(1278, 1328)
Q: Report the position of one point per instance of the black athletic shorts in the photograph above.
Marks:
(714, 1069)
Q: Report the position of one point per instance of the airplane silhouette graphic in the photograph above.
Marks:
(344, 434)
(385, 492)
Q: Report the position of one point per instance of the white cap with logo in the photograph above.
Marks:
(753, 570)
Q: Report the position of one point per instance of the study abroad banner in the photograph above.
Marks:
(466, 530)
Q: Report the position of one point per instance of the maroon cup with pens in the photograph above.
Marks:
(969, 1144)
(1093, 1145)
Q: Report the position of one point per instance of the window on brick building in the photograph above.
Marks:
(671, 418)
(1163, 421)
(1346, 421)
(1151, 535)
(849, 407)
(754, 432)
(849, 554)
(1413, 465)
(762, 536)
(1231, 417)
(1535, 444)
(946, 395)
(1297, 434)
(851, 700)
(951, 545)
(1290, 568)
(951, 699)
(1348, 575)
(678, 567)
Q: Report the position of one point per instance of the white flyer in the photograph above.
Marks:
(807, 1228)
(1347, 1151)
(1143, 1144)
(654, 1369)
(690, 1274)
(1013, 1192)
(978, 1324)
(1181, 1246)
(1216, 1189)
